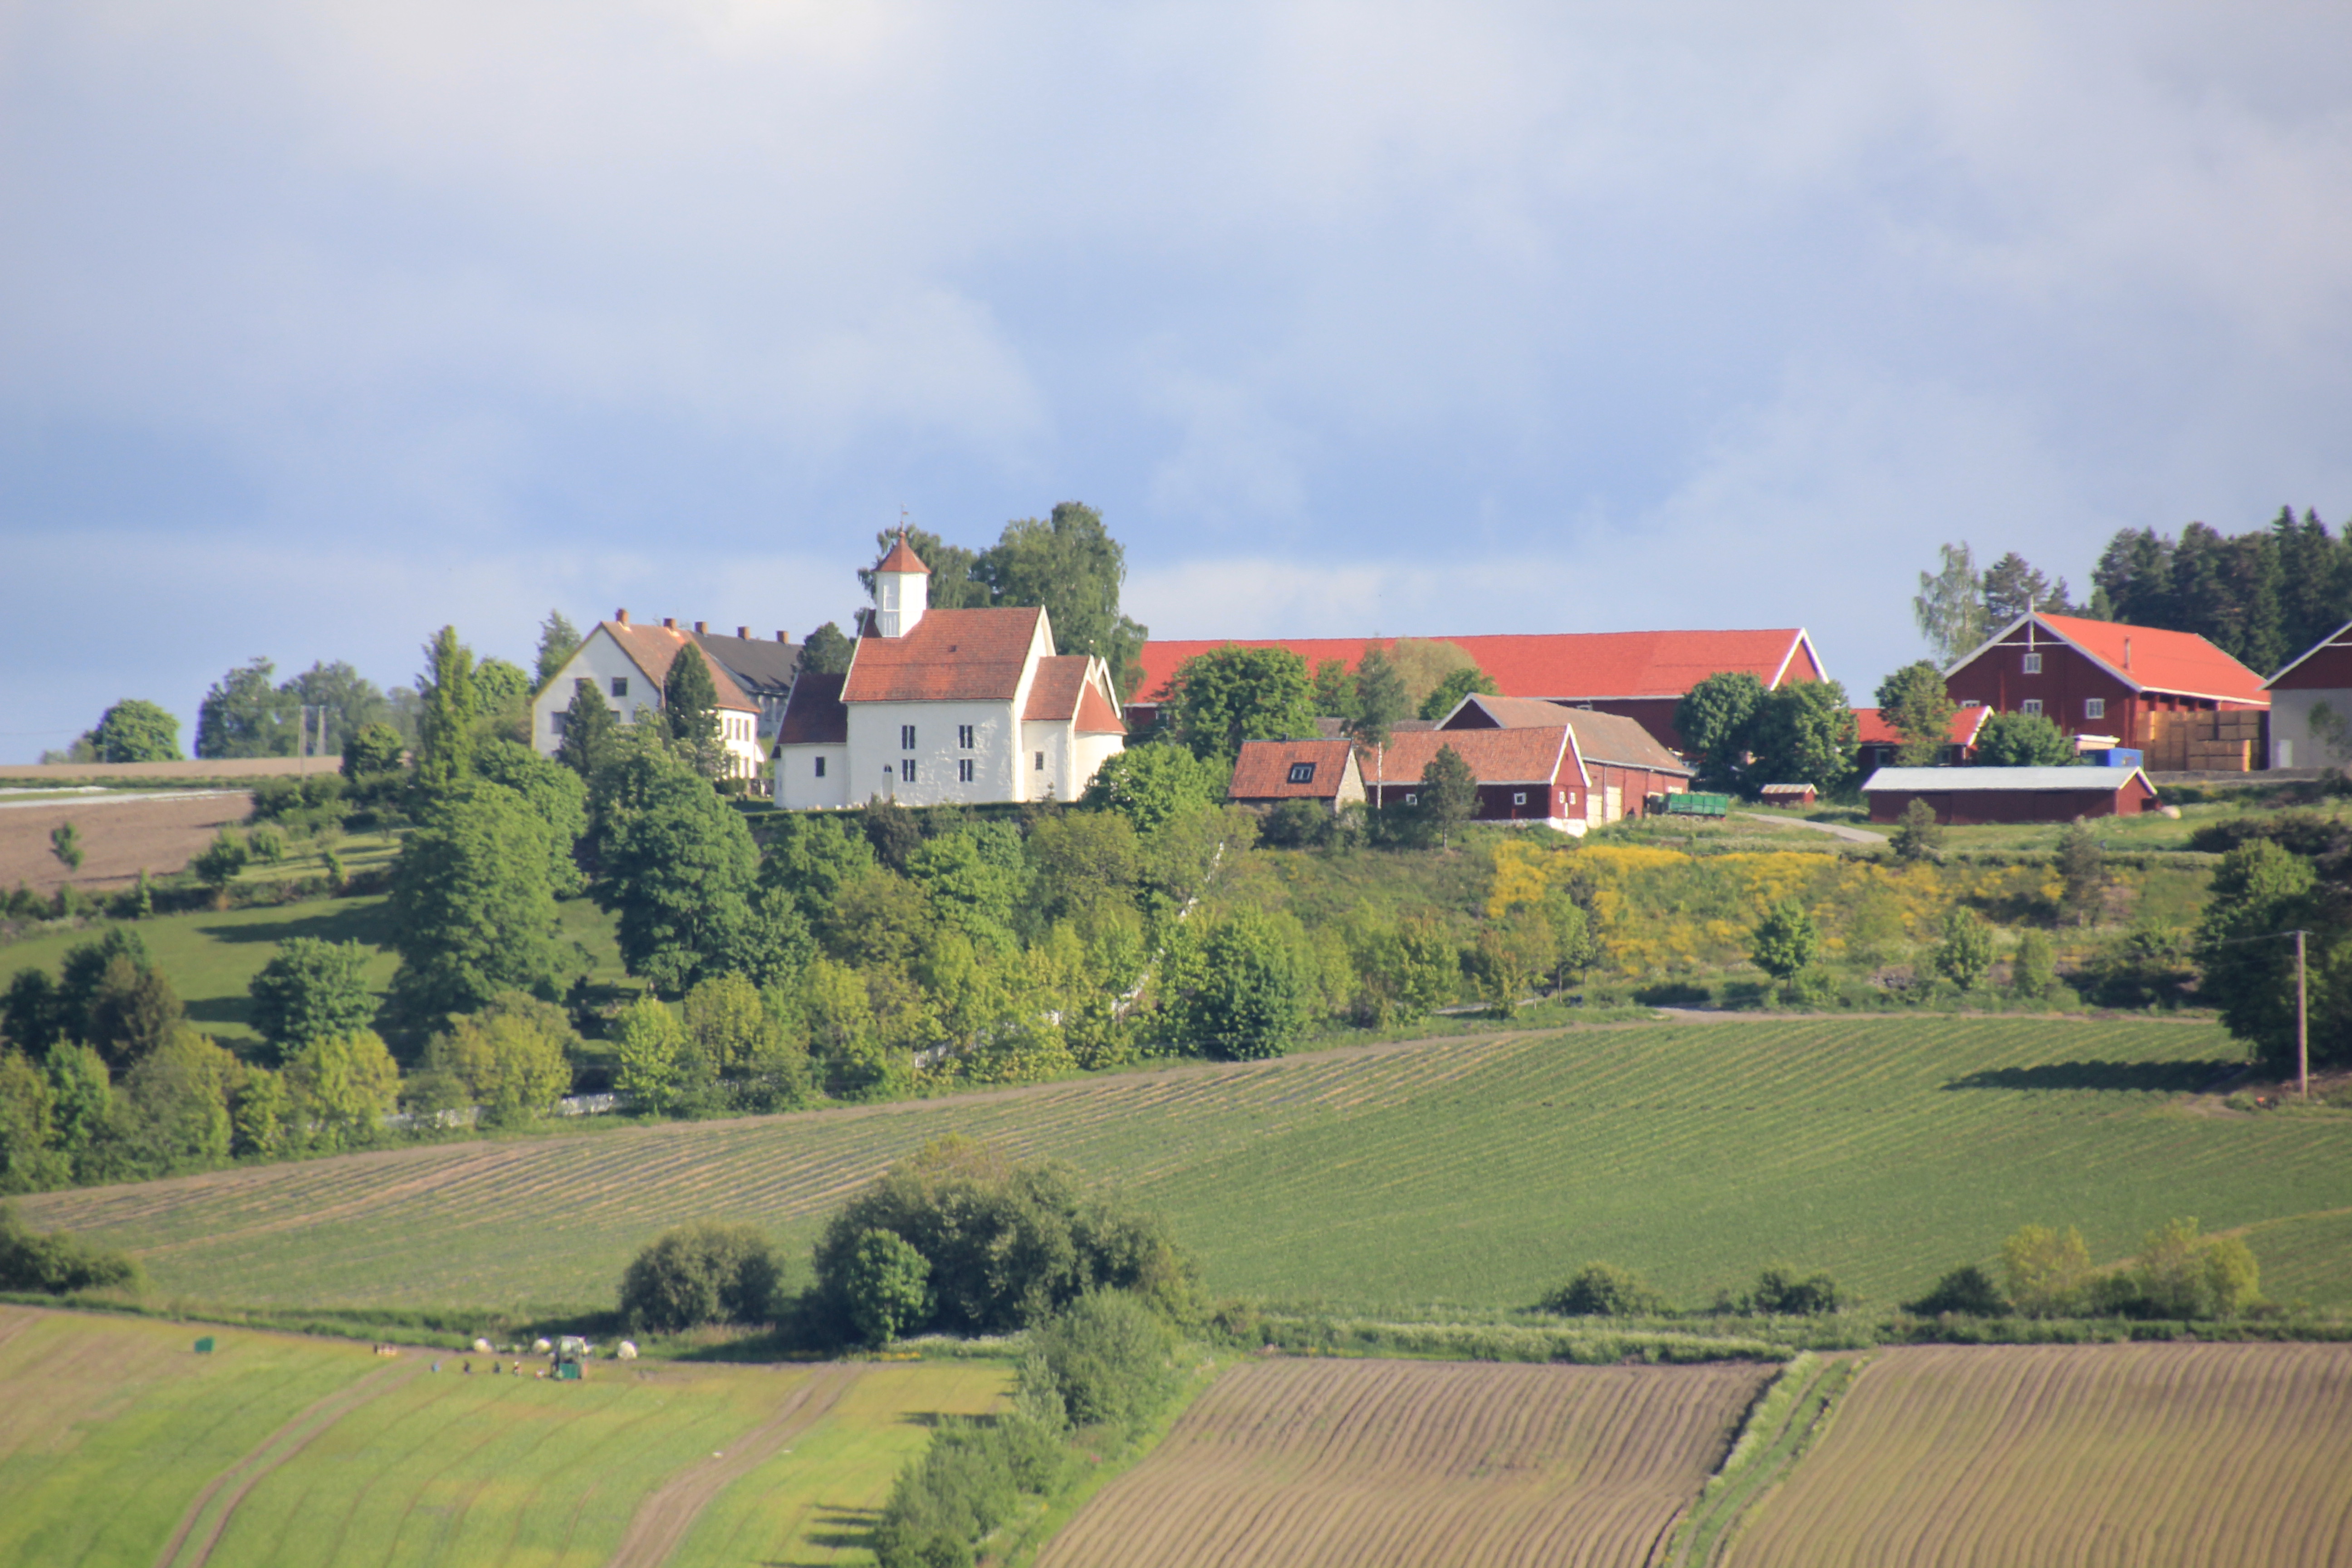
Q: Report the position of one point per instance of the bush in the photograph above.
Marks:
(1604, 1290)
(886, 1287)
(1105, 1359)
(1239, 995)
(968, 1481)
(312, 990)
(220, 861)
(1965, 956)
(1917, 834)
(1781, 1294)
(1298, 824)
(706, 1273)
(57, 1263)
(2033, 970)
(1968, 1291)
(1785, 942)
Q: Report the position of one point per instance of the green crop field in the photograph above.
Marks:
(1458, 1173)
(118, 1445)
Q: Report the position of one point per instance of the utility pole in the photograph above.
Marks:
(2302, 1024)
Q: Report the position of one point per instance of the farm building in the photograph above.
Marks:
(1623, 763)
(1535, 762)
(1268, 773)
(2311, 705)
(2172, 696)
(1966, 795)
(1882, 742)
(1791, 795)
(941, 706)
(627, 662)
(1638, 675)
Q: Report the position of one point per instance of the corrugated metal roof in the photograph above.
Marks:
(1937, 781)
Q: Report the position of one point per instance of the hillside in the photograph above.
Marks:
(1473, 1171)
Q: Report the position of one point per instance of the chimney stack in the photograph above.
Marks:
(781, 636)
(701, 628)
(669, 623)
(742, 634)
(622, 616)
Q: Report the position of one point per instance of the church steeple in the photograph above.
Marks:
(901, 590)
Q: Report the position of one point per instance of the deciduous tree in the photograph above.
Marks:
(444, 726)
(312, 989)
(559, 639)
(1231, 694)
(826, 651)
(2022, 741)
(1914, 700)
(135, 732)
(1715, 720)
(473, 914)
(1950, 606)
(1448, 794)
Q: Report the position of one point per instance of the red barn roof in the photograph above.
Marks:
(1061, 691)
(1876, 731)
(1263, 769)
(948, 656)
(1581, 667)
(2147, 658)
(1496, 756)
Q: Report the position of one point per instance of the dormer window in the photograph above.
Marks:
(1302, 772)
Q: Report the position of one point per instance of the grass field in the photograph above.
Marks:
(114, 1437)
(1372, 1463)
(2021, 1456)
(1467, 1172)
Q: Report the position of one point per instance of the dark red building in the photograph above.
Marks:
(2171, 695)
(1965, 795)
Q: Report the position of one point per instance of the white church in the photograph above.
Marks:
(945, 706)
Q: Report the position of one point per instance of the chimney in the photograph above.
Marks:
(622, 616)
(781, 636)
(2127, 653)
(701, 628)
(669, 623)
(742, 634)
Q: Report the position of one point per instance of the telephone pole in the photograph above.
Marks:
(2302, 1024)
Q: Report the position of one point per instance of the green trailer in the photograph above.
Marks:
(1695, 803)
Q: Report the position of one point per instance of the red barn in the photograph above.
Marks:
(2311, 705)
(1268, 773)
(1881, 741)
(1639, 675)
(1965, 795)
(1593, 768)
(2170, 695)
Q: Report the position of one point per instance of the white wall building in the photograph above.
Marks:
(626, 663)
(941, 706)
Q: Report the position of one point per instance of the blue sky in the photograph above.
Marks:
(322, 326)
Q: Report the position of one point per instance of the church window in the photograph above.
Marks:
(906, 737)
(963, 736)
(906, 771)
(965, 770)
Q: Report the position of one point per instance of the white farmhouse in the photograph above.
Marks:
(626, 663)
(941, 706)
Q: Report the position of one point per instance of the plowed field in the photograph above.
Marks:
(2146, 1456)
(1366, 1464)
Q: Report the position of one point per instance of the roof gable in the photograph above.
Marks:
(655, 648)
(1875, 729)
(1527, 756)
(1599, 737)
(1263, 769)
(813, 714)
(2146, 658)
(948, 656)
(2340, 637)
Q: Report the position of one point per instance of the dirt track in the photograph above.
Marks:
(119, 837)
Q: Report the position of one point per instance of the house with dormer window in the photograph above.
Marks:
(627, 664)
(941, 707)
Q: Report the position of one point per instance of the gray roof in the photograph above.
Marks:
(1939, 780)
(763, 669)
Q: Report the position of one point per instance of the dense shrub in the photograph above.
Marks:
(706, 1273)
(1105, 1359)
(1968, 1291)
(57, 1263)
(1238, 995)
(1603, 1291)
(970, 1480)
(886, 1285)
(1007, 1243)
(1780, 1293)
(310, 989)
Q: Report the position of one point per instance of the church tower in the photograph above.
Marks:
(901, 590)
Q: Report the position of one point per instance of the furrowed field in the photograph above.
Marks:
(119, 1446)
(1372, 1463)
(2024, 1456)
(1462, 1171)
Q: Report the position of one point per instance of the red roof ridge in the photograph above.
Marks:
(653, 650)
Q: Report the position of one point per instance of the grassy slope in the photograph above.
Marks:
(1470, 1171)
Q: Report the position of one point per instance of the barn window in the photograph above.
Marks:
(964, 767)
(1519, 797)
(2030, 705)
(2032, 664)
(820, 767)
(1302, 772)
(620, 685)
(1411, 799)
(2094, 707)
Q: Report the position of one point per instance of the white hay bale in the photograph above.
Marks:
(481, 1347)
(627, 1352)
(540, 1346)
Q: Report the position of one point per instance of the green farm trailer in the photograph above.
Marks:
(1693, 803)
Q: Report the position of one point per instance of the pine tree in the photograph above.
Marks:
(559, 639)
(690, 706)
(588, 729)
(445, 727)
(1449, 794)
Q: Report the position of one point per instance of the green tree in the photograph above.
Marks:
(472, 911)
(1231, 694)
(29, 1013)
(444, 729)
(65, 843)
(2022, 741)
(1380, 698)
(1154, 783)
(731, 1029)
(1917, 834)
(1106, 1360)
(344, 1086)
(679, 868)
(372, 750)
(886, 1285)
(2261, 894)
(705, 1272)
(261, 1116)
(2012, 587)
(1784, 944)
(174, 1110)
(312, 989)
(826, 651)
(133, 1011)
(243, 715)
(2045, 1271)
(559, 639)
(589, 726)
(1950, 606)
(135, 732)
(2082, 866)
(510, 1058)
(810, 855)
(1069, 563)
(1914, 700)
(1965, 955)
(1604, 1290)
(1715, 718)
(554, 793)
(2180, 1275)
(1238, 995)
(29, 1159)
(1966, 1292)
(1805, 733)
(2033, 970)
(1449, 795)
(1335, 691)
(1456, 685)
(1088, 862)
(690, 710)
(83, 1096)
(1423, 663)
(343, 702)
(652, 1053)
(502, 693)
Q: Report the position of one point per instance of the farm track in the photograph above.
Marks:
(1417, 1464)
(267, 1456)
(2107, 1456)
(663, 1520)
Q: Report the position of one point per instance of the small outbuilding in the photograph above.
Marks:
(1791, 795)
(1268, 773)
(1965, 795)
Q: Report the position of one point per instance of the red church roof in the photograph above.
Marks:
(1581, 667)
(2149, 658)
(902, 559)
(948, 656)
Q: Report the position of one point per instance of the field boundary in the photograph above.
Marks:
(1788, 1415)
(660, 1524)
(267, 1456)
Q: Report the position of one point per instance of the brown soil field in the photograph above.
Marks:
(1390, 1463)
(119, 837)
(2044, 1456)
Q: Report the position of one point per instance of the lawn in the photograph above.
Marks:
(1448, 1175)
(283, 1450)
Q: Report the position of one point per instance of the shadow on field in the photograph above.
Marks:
(2145, 1078)
(839, 1529)
(368, 922)
(220, 1010)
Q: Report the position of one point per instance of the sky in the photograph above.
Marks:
(321, 326)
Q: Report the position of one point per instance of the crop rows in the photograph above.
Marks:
(1374, 1463)
(1471, 1171)
(2142, 1455)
